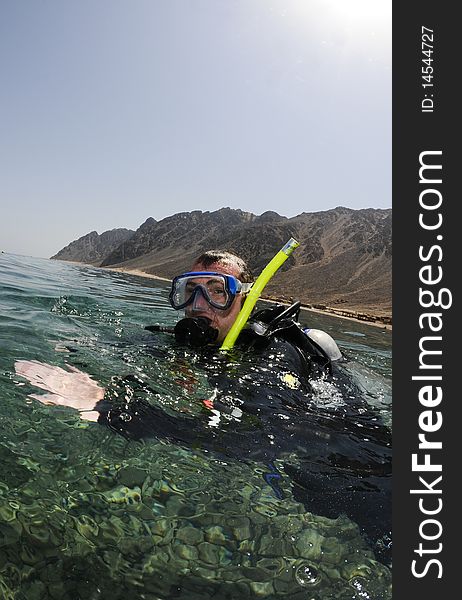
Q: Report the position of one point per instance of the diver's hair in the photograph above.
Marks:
(222, 256)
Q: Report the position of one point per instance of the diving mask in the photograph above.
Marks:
(218, 289)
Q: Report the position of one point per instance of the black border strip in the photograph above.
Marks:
(414, 132)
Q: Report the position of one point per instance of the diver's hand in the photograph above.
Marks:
(72, 388)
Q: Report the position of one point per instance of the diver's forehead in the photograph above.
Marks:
(216, 267)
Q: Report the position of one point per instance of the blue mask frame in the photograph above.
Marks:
(232, 286)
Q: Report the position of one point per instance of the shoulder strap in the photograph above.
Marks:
(280, 321)
(276, 313)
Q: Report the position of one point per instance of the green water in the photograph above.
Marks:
(87, 514)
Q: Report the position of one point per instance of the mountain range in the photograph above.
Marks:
(343, 262)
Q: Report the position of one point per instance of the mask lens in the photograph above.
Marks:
(217, 294)
(189, 288)
(214, 287)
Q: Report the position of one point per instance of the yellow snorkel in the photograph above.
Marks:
(255, 292)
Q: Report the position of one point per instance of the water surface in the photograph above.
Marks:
(85, 513)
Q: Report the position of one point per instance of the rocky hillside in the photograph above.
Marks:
(93, 248)
(344, 258)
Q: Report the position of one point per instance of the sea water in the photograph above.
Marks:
(86, 513)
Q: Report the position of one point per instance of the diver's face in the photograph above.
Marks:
(221, 319)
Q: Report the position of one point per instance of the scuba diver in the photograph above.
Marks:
(265, 399)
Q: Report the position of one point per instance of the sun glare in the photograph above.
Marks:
(347, 13)
(361, 10)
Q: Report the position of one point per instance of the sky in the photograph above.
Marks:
(113, 111)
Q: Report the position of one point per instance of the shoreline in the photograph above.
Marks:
(373, 320)
(383, 322)
(135, 272)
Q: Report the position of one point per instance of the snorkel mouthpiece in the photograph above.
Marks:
(195, 331)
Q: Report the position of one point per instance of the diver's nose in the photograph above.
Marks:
(200, 303)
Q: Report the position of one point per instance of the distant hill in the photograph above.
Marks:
(93, 248)
(344, 258)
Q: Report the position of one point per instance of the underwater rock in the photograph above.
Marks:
(239, 589)
(35, 591)
(160, 527)
(6, 593)
(111, 558)
(132, 477)
(190, 535)
(8, 511)
(224, 547)
(56, 590)
(274, 546)
(206, 573)
(9, 534)
(289, 523)
(37, 533)
(274, 566)
(265, 510)
(87, 527)
(262, 589)
(124, 495)
(186, 552)
(240, 527)
(254, 573)
(14, 475)
(111, 530)
(130, 546)
(30, 555)
(309, 543)
(212, 555)
(247, 546)
(215, 535)
(155, 562)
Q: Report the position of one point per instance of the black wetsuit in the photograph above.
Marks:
(343, 456)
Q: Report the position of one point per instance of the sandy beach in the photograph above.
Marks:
(134, 272)
(373, 320)
(362, 316)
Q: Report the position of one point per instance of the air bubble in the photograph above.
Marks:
(307, 575)
(360, 585)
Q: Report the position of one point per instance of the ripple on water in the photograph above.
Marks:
(84, 513)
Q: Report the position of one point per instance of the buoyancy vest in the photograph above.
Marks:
(281, 322)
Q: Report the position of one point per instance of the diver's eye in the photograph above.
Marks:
(216, 290)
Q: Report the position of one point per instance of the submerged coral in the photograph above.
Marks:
(164, 520)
